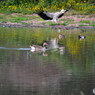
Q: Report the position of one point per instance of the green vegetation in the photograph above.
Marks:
(34, 6)
(85, 21)
(66, 22)
(21, 11)
(83, 25)
(93, 24)
(17, 18)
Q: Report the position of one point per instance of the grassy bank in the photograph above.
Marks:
(34, 19)
(21, 12)
(34, 6)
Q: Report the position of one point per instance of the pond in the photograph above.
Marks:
(67, 68)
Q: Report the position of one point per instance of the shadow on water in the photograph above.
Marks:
(23, 72)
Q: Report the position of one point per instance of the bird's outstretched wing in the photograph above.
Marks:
(61, 14)
(46, 15)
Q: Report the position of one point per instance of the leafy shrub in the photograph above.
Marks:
(31, 6)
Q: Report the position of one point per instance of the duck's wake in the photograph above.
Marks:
(15, 48)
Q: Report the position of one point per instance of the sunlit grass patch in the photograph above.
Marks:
(4, 21)
(92, 24)
(85, 21)
(53, 23)
(36, 17)
(25, 23)
(65, 23)
(67, 19)
(39, 19)
(1, 17)
(83, 25)
(50, 23)
(20, 18)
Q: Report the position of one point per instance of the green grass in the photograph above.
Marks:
(4, 20)
(39, 19)
(67, 19)
(53, 23)
(85, 21)
(65, 23)
(25, 23)
(92, 24)
(1, 17)
(19, 19)
(83, 25)
(15, 18)
(50, 23)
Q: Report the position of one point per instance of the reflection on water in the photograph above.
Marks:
(23, 72)
(53, 43)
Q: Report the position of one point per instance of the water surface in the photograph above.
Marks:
(23, 72)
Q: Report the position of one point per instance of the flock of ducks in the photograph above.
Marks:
(45, 46)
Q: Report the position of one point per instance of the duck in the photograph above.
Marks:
(60, 36)
(81, 37)
(37, 48)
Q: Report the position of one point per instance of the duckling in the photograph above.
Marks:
(37, 48)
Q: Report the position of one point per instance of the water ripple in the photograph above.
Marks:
(15, 48)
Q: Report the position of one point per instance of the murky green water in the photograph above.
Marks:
(67, 72)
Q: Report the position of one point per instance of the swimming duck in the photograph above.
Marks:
(37, 48)
(60, 36)
(81, 37)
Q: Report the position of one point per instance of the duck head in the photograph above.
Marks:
(45, 44)
(63, 11)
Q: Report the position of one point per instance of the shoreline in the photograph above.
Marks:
(33, 20)
(45, 26)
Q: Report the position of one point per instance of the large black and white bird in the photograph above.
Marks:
(52, 16)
